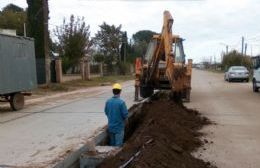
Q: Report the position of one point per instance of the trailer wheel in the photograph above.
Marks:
(17, 101)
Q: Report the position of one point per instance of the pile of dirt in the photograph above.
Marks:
(165, 137)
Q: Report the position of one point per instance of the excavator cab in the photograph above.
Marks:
(177, 48)
(179, 51)
(150, 50)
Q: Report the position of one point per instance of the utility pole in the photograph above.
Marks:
(242, 47)
(46, 41)
(226, 49)
(245, 48)
(215, 63)
(227, 46)
(251, 50)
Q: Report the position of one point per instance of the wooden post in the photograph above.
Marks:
(132, 69)
(87, 70)
(82, 69)
(101, 69)
(58, 68)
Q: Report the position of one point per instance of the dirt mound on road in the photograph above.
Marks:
(165, 138)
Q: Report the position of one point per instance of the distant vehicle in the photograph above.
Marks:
(200, 66)
(256, 73)
(237, 73)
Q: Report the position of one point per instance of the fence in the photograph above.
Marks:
(90, 70)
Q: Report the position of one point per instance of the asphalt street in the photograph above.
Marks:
(236, 111)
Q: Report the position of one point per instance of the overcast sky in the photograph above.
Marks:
(205, 24)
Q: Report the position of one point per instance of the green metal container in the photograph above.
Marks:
(17, 64)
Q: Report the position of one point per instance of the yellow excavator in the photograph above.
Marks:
(163, 66)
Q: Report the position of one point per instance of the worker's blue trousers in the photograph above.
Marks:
(116, 139)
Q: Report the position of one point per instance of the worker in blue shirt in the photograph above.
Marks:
(117, 113)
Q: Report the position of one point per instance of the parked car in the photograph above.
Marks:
(237, 73)
(256, 73)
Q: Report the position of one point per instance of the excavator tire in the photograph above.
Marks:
(146, 91)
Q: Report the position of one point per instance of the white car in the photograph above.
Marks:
(256, 73)
(237, 73)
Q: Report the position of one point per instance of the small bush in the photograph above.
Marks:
(236, 59)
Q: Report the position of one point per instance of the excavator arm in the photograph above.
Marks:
(164, 47)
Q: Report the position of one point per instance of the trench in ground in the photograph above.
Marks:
(161, 133)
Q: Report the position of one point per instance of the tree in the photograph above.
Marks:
(12, 8)
(108, 40)
(35, 25)
(13, 17)
(143, 35)
(141, 41)
(235, 58)
(73, 41)
(98, 57)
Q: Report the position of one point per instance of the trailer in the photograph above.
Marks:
(17, 69)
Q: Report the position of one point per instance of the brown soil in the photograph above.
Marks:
(165, 137)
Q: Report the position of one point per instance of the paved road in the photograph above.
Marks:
(236, 110)
(40, 134)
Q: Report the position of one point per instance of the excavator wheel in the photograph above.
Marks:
(146, 91)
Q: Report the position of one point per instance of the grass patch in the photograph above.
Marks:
(78, 84)
(54, 87)
(98, 81)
